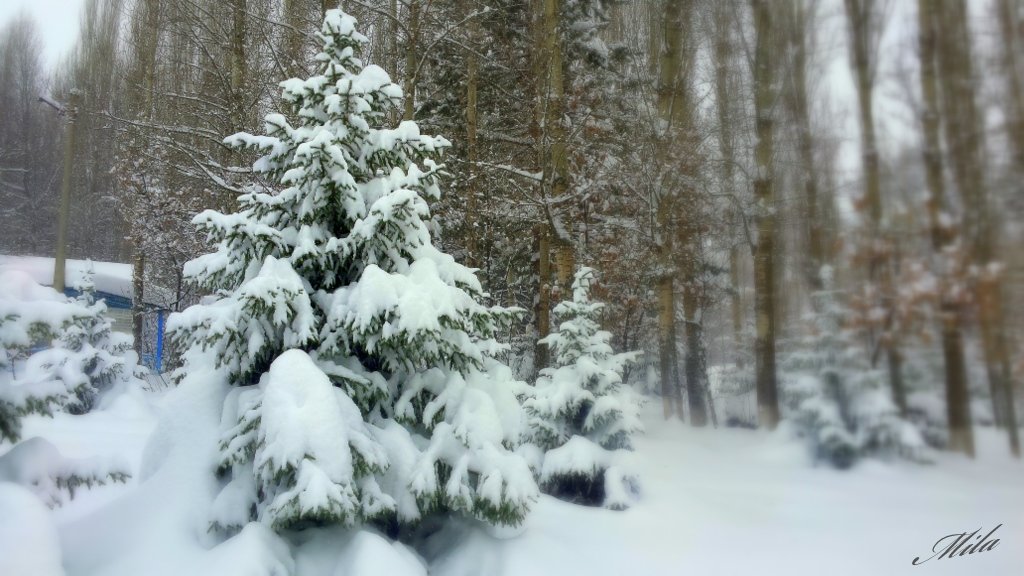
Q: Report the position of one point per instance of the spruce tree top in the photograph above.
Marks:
(345, 242)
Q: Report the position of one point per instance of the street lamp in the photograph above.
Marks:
(71, 112)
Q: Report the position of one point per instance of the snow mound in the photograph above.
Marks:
(28, 538)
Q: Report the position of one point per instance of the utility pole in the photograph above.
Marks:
(71, 111)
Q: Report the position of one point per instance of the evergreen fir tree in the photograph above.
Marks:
(84, 358)
(582, 414)
(837, 400)
(363, 356)
(104, 357)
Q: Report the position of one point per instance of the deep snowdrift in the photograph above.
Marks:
(713, 502)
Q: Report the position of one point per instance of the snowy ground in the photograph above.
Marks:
(714, 502)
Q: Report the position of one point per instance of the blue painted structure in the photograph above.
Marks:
(152, 360)
(115, 301)
(113, 285)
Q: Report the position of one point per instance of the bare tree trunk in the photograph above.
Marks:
(951, 316)
(666, 354)
(685, 161)
(557, 161)
(862, 16)
(964, 127)
(997, 357)
(64, 209)
(723, 52)
(472, 72)
(238, 31)
(392, 28)
(542, 314)
(411, 58)
(677, 393)
(146, 65)
(696, 375)
(1008, 14)
(765, 62)
(736, 301)
(670, 100)
(814, 219)
(138, 294)
(293, 36)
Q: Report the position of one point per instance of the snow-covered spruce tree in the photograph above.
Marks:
(83, 359)
(89, 347)
(582, 414)
(836, 399)
(361, 356)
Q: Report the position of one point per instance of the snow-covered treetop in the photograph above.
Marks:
(579, 332)
(334, 163)
(343, 247)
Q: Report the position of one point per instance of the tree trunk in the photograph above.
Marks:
(542, 314)
(670, 101)
(411, 58)
(238, 61)
(138, 302)
(557, 161)
(472, 72)
(59, 264)
(957, 401)
(1008, 14)
(723, 51)
(1011, 23)
(293, 36)
(862, 15)
(814, 217)
(696, 375)
(146, 65)
(997, 357)
(765, 61)
(964, 130)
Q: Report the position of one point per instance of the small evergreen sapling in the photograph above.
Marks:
(582, 414)
(837, 400)
(84, 358)
(366, 389)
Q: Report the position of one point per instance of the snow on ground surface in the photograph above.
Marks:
(723, 501)
(28, 538)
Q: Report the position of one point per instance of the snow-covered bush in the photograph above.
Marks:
(839, 402)
(37, 465)
(582, 414)
(83, 359)
(82, 356)
(362, 357)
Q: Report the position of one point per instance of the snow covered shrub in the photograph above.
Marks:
(581, 414)
(37, 465)
(366, 389)
(838, 401)
(84, 357)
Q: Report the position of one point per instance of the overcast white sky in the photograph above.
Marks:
(56, 20)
